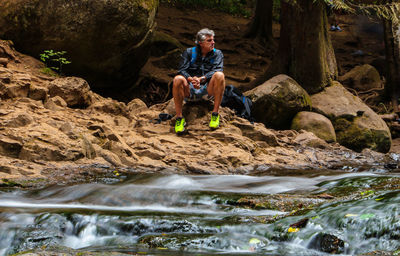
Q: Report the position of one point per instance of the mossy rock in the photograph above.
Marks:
(315, 123)
(107, 41)
(351, 135)
(277, 101)
(356, 125)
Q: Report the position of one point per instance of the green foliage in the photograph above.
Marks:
(54, 60)
(235, 7)
(379, 9)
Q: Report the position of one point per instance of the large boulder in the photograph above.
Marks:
(74, 90)
(362, 78)
(277, 101)
(315, 123)
(356, 125)
(108, 41)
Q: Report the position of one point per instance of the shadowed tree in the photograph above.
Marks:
(392, 52)
(261, 23)
(305, 50)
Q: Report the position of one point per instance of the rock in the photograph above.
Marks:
(13, 85)
(277, 101)
(257, 132)
(88, 148)
(110, 106)
(5, 75)
(55, 103)
(315, 123)
(10, 147)
(74, 90)
(38, 93)
(37, 150)
(309, 139)
(326, 243)
(163, 43)
(362, 78)
(136, 106)
(4, 62)
(110, 157)
(356, 125)
(20, 120)
(6, 50)
(107, 41)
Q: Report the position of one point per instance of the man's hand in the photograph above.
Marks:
(195, 81)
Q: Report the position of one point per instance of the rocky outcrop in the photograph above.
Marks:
(107, 40)
(277, 101)
(315, 123)
(362, 78)
(356, 125)
(60, 129)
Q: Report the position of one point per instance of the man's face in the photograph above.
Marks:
(208, 44)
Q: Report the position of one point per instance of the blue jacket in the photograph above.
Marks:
(207, 66)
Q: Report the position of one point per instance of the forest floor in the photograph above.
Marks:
(246, 58)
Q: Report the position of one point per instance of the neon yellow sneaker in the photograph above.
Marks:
(180, 124)
(214, 123)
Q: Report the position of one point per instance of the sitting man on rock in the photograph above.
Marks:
(200, 73)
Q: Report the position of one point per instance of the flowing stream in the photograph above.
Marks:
(201, 215)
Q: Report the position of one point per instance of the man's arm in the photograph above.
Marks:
(218, 65)
(184, 64)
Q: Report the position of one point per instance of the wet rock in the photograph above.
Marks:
(300, 224)
(277, 101)
(326, 243)
(356, 125)
(362, 78)
(74, 90)
(315, 123)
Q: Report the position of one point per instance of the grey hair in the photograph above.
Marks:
(202, 34)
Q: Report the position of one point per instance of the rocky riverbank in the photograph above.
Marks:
(55, 129)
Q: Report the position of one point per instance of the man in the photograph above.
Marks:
(200, 73)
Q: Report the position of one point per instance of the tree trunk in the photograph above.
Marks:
(305, 50)
(392, 51)
(261, 24)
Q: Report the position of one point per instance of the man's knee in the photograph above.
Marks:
(179, 81)
(219, 76)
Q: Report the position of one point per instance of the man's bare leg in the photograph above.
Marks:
(216, 88)
(180, 90)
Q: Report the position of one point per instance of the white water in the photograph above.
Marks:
(120, 215)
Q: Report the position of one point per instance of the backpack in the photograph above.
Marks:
(234, 99)
(194, 56)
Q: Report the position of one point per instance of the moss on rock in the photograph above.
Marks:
(351, 135)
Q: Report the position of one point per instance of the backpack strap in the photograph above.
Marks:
(246, 105)
(194, 55)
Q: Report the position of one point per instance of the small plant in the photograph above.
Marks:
(54, 60)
